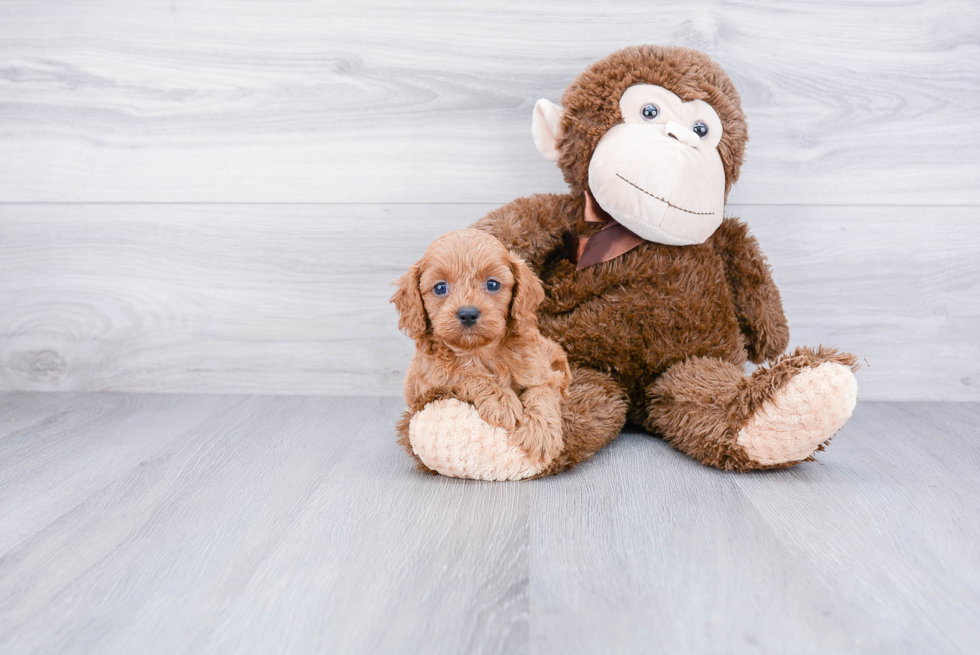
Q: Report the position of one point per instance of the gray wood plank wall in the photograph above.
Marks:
(215, 196)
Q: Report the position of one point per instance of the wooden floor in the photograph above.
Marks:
(170, 524)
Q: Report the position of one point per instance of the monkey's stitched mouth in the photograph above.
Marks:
(663, 200)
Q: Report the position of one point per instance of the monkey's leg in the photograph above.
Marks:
(592, 416)
(449, 437)
(774, 418)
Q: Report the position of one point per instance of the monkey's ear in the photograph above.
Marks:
(545, 127)
(408, 301)
(528, 294)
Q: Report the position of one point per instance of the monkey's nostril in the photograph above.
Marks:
(468, 315)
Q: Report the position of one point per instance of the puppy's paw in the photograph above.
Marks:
(503, 410)
(540, 439)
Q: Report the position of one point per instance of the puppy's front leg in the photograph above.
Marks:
(426, 395)
(539, 432)
(495, 404)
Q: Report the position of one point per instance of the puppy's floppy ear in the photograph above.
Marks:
(528, 294)
(412, 319)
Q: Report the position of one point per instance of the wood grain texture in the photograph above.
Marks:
(867, 550)
(894, 464)
(245, 524)
(183, 523)
(870, 102)
(293, 299)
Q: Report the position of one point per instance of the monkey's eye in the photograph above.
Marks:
(493, 286)
(649, 112)
(700, 129)
(440, 289)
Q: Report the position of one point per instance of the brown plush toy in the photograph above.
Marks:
(657, 299)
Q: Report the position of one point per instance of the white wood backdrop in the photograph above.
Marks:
(214, 196)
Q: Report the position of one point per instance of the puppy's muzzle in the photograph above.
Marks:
(468, 316)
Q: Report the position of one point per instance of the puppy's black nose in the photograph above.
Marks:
(468, 315)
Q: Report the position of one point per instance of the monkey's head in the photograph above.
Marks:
(656, 134)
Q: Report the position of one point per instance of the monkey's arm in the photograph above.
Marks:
(532, 227)
(757, 302)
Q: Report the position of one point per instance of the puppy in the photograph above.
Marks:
(470, 306)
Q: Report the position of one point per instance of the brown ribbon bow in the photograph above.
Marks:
(608, 243)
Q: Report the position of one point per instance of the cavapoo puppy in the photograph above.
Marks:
(470, 306)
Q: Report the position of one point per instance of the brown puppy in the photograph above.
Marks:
(471, 307)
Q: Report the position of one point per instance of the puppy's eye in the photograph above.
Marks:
(700, 129)
(493, 286)
(649, 112)
(440, 289)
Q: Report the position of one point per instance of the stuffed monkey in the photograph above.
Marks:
(656, 297)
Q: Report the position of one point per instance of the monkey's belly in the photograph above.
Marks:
(635, 321)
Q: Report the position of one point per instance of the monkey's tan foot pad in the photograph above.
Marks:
(807, 411)
(450, 438)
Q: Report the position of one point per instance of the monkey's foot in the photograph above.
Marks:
(450, 438)
(801, 415)
(775, 418)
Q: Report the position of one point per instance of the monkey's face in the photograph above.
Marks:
(659, 172)
(657, 134)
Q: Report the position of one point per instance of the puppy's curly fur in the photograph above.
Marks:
(515, 378)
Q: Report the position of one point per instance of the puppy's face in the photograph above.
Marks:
(467, 291)
(466, 284)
